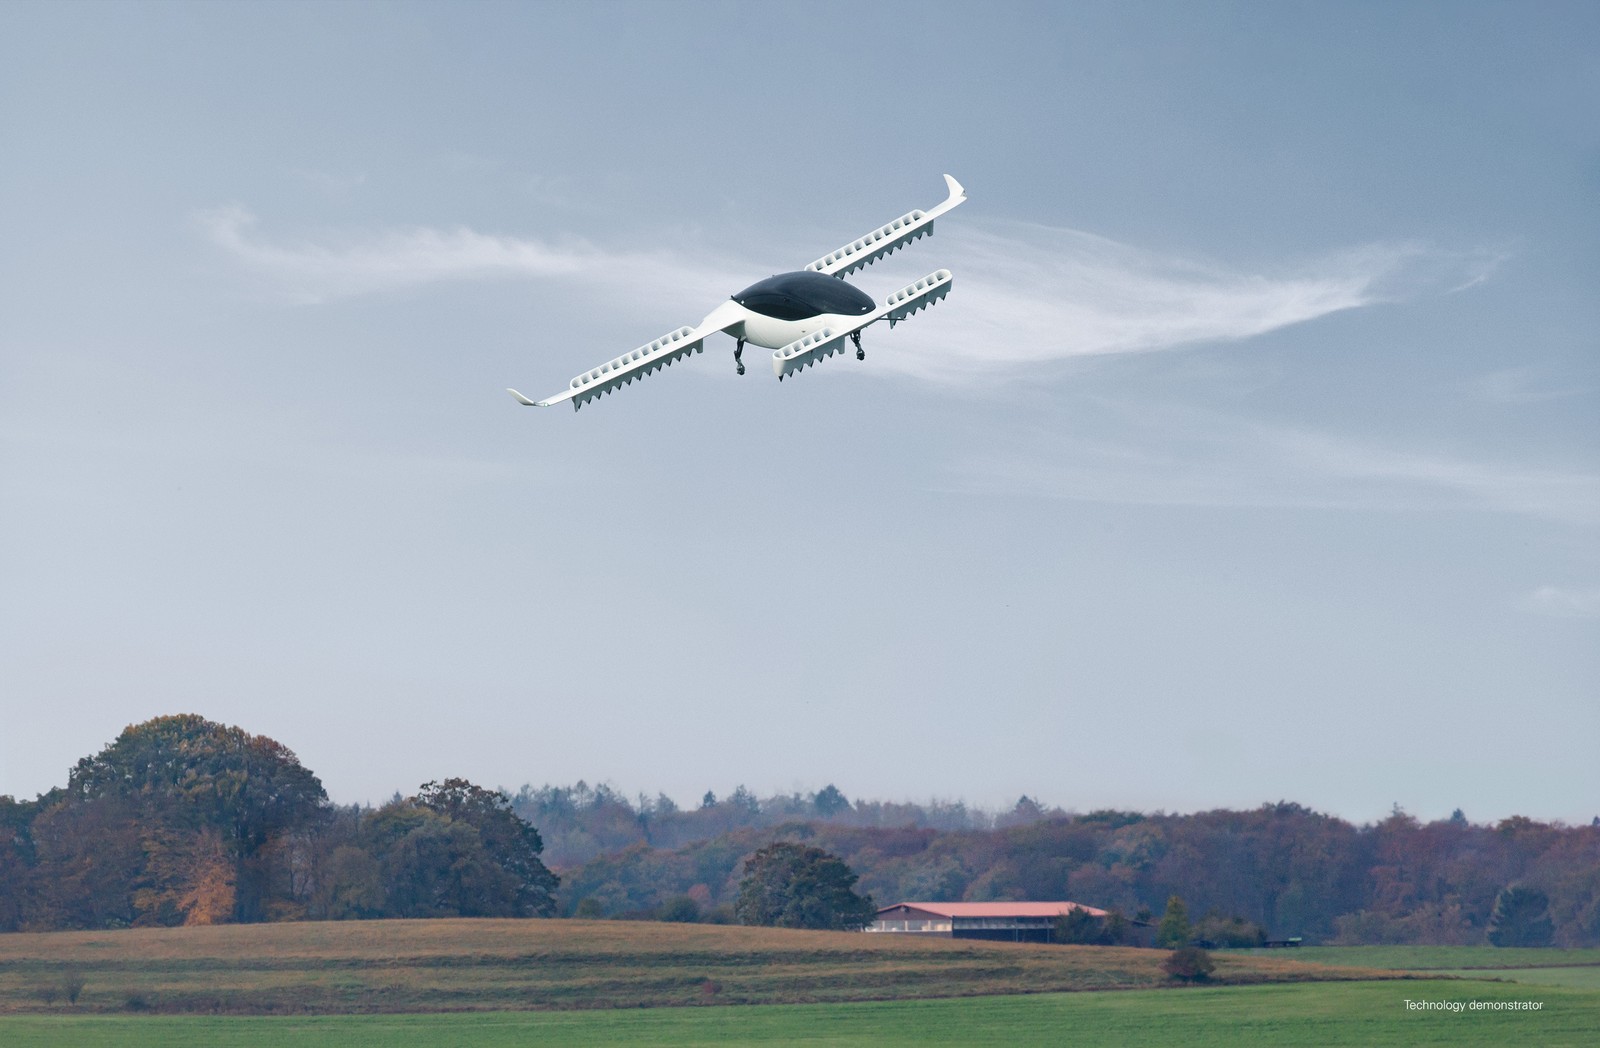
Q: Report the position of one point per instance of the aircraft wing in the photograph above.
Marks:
(866, 250)
(650, 357)
(819, 345)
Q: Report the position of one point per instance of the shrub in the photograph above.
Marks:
(1189, 964)
(682, 910)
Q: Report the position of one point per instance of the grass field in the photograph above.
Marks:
(1433, 958)
(1328, 1015)
(1586, 977)
(499, 965)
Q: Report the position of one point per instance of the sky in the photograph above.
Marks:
(1254, 456)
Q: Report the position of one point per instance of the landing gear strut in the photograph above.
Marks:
(738, 351)
(861, 354)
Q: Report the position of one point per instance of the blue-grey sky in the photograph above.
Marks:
(1254, 456)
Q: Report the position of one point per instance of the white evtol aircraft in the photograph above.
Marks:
(804, 316)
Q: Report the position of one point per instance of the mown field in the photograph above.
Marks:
(330, 968)
(1579, 969)
(1328, 1015)
(1434, 958)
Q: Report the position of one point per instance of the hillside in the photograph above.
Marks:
(450, 965)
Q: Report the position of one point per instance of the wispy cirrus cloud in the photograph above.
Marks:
(340, 265)
(1029, 295)
(1025, 295)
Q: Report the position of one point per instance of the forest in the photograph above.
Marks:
(182, 820)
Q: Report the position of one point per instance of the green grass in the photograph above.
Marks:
(1328, 1015)
(1586, 977)
(1431, 958)
(505, 965)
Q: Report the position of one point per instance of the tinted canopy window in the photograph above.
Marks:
(799, 296)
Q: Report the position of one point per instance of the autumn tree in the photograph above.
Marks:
(205, 798)
(16, 868)
(90, 859)
(789, 885)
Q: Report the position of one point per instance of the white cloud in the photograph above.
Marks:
(341, 265)
(1024, 295)
(1032, 295)
(1564, 603)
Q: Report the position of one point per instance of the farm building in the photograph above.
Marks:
(1003, 921)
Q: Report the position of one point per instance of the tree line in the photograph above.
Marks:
(181, 820)
(184, 821)
(1280, 869)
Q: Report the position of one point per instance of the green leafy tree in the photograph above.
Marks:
(829, 801)
(1174, 930)
(1521, 918)
(789, 885)
(453, 850)
(1081, 928)
(510, 843)
(350, 885)
(436, 867)
(681, 910)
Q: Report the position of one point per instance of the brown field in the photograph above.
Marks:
(460, 965)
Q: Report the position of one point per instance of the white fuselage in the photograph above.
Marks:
(773, 333)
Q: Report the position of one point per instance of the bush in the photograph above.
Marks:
(682, 910)
(1079, 927)
(1228, 933)
(1189, 964)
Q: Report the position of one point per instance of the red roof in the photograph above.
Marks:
(996, 909)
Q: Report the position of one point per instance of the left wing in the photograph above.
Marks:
(819, 345)
(650, 357)
(866, 250)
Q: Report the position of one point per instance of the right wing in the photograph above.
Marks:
(820, 345)
(868, 249)
(652, 356)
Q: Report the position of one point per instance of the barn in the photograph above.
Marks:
(1001, 921)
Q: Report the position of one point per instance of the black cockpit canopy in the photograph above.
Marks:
(803, 295)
